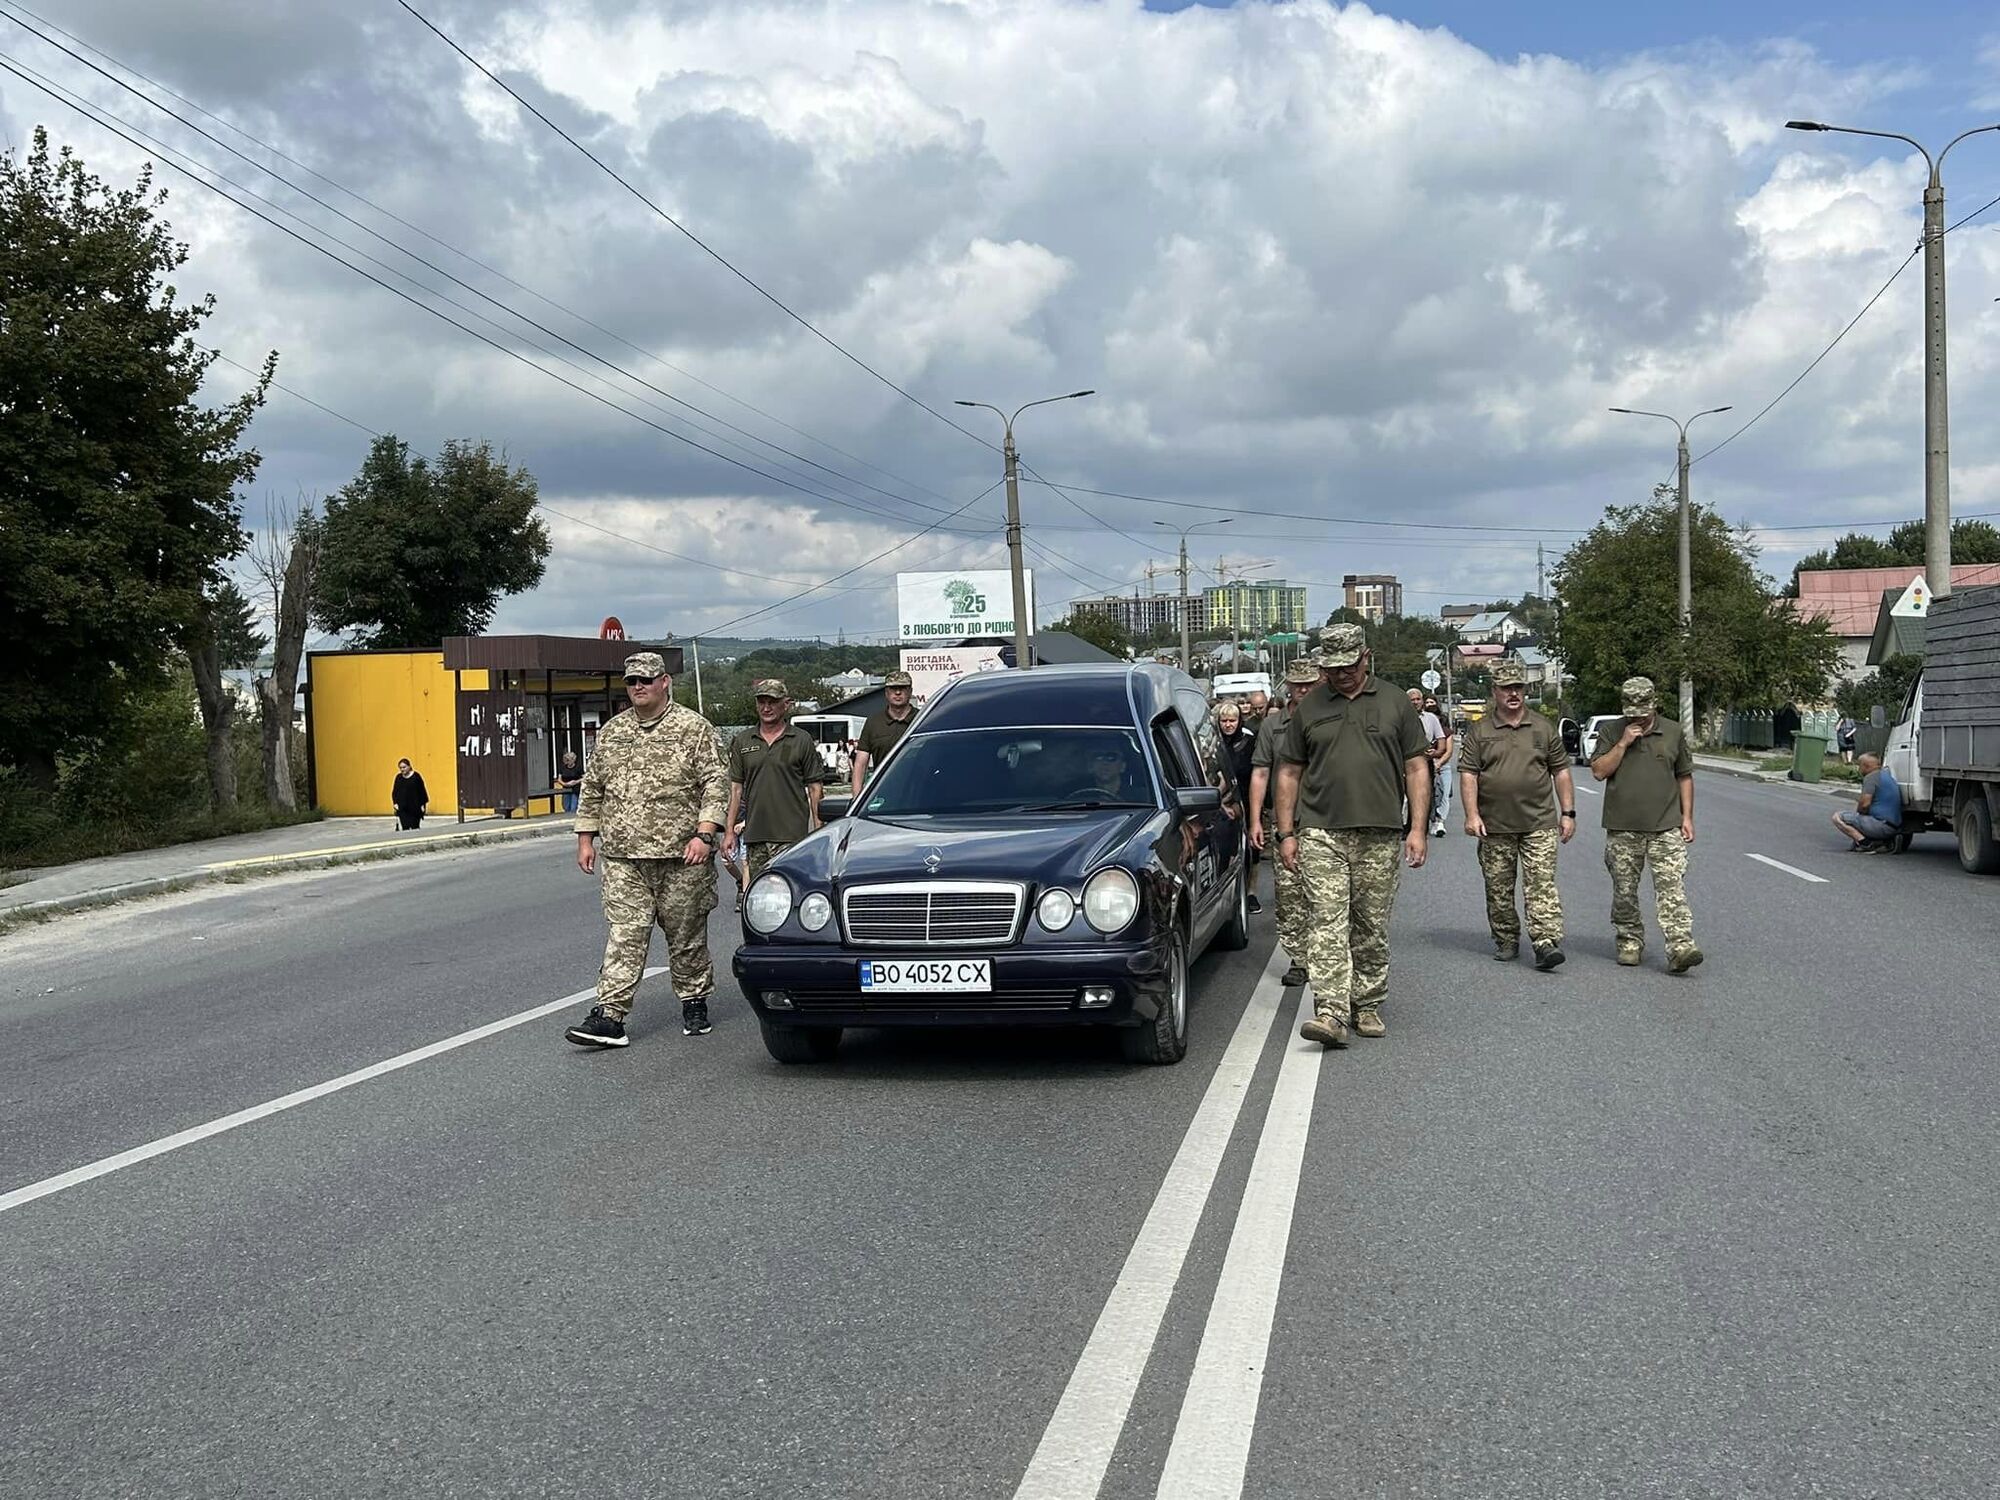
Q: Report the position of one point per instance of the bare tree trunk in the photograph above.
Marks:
(218, 715)
(287, 559)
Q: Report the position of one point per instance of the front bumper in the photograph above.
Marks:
(1030, 987)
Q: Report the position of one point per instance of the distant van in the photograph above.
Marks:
(1238, 685)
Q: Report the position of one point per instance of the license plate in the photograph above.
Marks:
(927, 976)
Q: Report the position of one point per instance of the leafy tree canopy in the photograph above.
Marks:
(1618, 616)
(120, 500)
(412, 550)
(1889, 685)
(1101, 630)
(1972, 541)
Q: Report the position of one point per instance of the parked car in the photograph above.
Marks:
(1594, 726)
(1046, 848)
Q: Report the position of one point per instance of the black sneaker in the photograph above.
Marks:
(1251, 903)
(1548, 956)
(694, 1018)
(1293, 977)
(598, 1030)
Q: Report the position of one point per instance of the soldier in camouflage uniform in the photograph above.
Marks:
(778, 767)
(1511, 762)
(1353, 751)
(649, 811)
(1288, 895)
(1648, 775)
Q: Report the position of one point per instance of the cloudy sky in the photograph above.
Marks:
(1360, 281)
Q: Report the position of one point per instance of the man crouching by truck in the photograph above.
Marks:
(1878, 815)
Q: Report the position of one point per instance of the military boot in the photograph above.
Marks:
(1629, 955)
(1683, 959)
(1368, 1022)
(1504, 952)
(1548, 956)
(1326, 1028)
(1293, 977)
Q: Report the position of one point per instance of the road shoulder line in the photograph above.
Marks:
(1779, 864)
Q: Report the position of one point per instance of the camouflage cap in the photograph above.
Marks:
(1302, 673)
(769, 687)
(645, 664)
(1342, 645)
(897, 679)
(1508, 672)
(1637, 694)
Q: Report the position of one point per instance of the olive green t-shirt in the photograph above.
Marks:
(1353, 750)
(1264, 757)
(882, 733)
(1643, 794)
(774, 779)
(1516, 768)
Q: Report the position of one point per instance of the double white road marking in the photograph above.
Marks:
(1211, 1444)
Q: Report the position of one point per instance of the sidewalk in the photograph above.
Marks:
(301, 846)
(1727, 766)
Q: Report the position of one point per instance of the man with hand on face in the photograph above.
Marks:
(1648, 772)
(778, 766)
(884, 729)
(1291, 908)
(648, 813)
(1511, 763)
(1352, 754)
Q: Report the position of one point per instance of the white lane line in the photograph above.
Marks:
(1779, 864)
(1211, 1445)
(1588, 791)
(1076, 1448)
(77, 1176)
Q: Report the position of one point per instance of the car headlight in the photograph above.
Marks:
(1055, 909)
(768, 904)
(815, 912)
(1110, 900)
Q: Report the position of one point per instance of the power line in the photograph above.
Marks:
(1295, 515)
(691, 236)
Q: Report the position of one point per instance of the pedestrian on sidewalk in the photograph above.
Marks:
(1648, 775)
(1288, 896)
(1520, 805)
(569, 781)
(408, 796)
(1353, 753)
(777, 766)
(1843, 738)
(649, 813)
(1878, 815)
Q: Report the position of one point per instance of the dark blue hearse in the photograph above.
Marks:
(1052, 847)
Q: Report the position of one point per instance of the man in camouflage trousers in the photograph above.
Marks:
(1511, 762)
(649, 812)
(1289, 906)
(1648, 773)
(1353, 753)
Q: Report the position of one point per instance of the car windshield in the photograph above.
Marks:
(1011, 770)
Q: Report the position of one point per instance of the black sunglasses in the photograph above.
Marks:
(640, 681)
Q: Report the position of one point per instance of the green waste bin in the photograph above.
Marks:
(1808, 756)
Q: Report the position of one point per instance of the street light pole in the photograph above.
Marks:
(1187, 652)
(1022, 657)
(1937, 396)
(1685, 554)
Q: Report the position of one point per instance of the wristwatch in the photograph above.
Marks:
(1568, 812)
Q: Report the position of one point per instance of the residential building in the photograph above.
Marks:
(1141, 614)
(1458, 614)
(1849, 599)
(1493, 627)
(1374, 596)
(1247, 607)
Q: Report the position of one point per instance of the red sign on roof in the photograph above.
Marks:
(611, 629)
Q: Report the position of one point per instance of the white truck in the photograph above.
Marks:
(1945, 750)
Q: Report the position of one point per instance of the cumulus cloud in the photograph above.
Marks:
(1314, 259)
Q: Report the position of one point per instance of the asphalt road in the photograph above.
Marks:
(1605, 1232)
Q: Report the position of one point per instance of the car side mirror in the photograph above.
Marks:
(834, 807)
(1194, 799)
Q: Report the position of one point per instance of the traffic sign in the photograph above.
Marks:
(1430, 680)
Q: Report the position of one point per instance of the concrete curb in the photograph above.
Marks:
(1775, 778)
(270, 864)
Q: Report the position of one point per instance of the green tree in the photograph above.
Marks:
(1618, 616)
(119, 504)
(412, 551)
(1888, 685)
(1972, 541)
(1101, 630)
(225, 639)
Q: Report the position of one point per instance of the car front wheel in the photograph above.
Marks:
(800, 1044)
(1164, 1038)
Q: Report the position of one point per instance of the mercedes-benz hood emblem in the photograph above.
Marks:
(933, 859)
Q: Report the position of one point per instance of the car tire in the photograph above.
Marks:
(1977, 852)
(1164, 1038)
(800, 1044)
(1234, 934)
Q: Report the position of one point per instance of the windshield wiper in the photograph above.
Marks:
(1078, 804)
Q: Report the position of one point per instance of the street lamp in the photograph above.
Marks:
(1687, 587)
(1186, 649)
(1937, 401)
(1022, 658)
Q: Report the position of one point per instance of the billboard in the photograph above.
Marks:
(931, 670)
(952, 606)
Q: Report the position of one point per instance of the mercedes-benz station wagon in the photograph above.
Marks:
(1044, 848)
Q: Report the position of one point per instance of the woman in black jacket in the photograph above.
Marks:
(408, 794)
(1238, 743)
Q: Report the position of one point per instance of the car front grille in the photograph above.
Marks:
(934, 914)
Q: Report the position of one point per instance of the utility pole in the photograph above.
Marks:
(1937, 398)
(1541, 573)
(1187, 649)
(1686, 583)
(1022, 624)
(694, 650)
